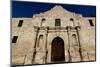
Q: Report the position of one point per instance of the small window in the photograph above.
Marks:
(57, 22)
(20, 23)
(91, 23)
(14, 40)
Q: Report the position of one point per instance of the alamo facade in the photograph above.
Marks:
(54, 36)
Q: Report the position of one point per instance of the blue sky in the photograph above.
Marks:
(27, 9)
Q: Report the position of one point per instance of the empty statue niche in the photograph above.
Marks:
(42, 21)
(40, 41)
(74, 41)
(72, 21)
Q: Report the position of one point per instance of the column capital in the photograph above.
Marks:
(77, 27)
(36, 28)
(68, 28)
(46, 29)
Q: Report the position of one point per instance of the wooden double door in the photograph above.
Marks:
(57, 50)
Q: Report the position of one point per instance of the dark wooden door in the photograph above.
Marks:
(57, 50)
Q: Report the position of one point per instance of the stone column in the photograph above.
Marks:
(68, 33)
(80, 47)
(46, 50)
(35, 43)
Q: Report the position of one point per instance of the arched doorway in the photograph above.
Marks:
(57, 50)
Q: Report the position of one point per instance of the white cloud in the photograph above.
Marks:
(89, 2)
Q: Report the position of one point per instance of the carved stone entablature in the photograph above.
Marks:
(70, 28)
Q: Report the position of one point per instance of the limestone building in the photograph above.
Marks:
(54, 36)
